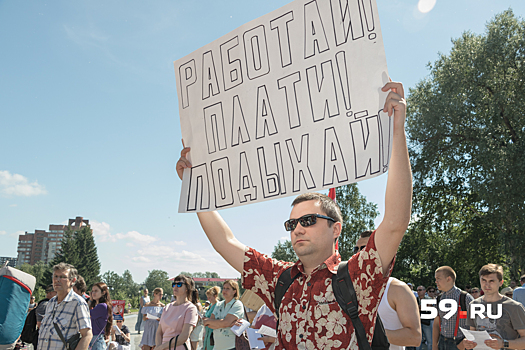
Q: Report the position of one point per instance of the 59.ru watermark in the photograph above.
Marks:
(450, 307)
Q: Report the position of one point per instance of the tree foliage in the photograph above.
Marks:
(158, 279)
(122, 287)
(78, 249)
(284, 251)
(358, 216)
(466, 127)
(37, 270)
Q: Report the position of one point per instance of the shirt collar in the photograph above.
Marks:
(451, 291)
(331, 264)
(70, 296)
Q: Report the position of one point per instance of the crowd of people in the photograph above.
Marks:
(68, 314)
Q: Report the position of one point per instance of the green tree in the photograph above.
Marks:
(115, 285)
(89, 265)
(130, 288)
(447, 229)
(158, 279)
(78, 249)
(358, 216)
(466, 126)
(284, 251)
(37, 270)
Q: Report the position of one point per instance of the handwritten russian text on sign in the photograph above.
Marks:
(285, 104)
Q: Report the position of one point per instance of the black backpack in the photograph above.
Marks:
(29, 332)
(346, 298)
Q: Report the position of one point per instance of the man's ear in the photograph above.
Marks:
(337, 228)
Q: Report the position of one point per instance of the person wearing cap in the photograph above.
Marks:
(41, 308)
(519, 293)
(507, 328)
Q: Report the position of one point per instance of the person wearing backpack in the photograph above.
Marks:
(309, 316)
(446, 334)
(34, 319)
(32, 323)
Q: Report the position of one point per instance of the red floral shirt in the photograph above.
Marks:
(309, 316)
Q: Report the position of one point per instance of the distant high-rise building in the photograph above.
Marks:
(12, 261)
(43, 245)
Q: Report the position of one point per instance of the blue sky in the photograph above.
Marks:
(89, 122)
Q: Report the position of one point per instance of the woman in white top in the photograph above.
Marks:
(226, 313)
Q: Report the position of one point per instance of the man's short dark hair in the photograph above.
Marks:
(80, 284)
(73, 273)
(522, 278)
(327, 205)
(49, 288)
(447, 271)
(490, 269)
(366, 233)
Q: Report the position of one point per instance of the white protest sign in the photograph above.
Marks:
(288, 103)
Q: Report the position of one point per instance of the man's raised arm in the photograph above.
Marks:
(398, 196)
(218, 232)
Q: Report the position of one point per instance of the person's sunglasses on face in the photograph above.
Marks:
(305, 221)
(358, 249)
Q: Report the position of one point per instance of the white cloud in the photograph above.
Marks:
(102, 230)
(3, 233)
(141, 259)
(137, 237)
(17, 233)
(18, 185)
(13, 205)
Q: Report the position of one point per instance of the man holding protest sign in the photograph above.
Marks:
(310, 317)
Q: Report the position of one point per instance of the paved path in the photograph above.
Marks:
(130, 320)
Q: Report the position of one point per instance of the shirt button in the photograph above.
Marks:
(309, 284)
(304, 307)
(301, 336)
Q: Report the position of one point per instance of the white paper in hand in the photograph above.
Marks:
(253, 338)
(117, 330)
(478, 337)
(237, 330)
(265, 330)
(151, 317)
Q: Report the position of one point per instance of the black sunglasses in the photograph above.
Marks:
(305, 221)
(358, 249)
(178, 284)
